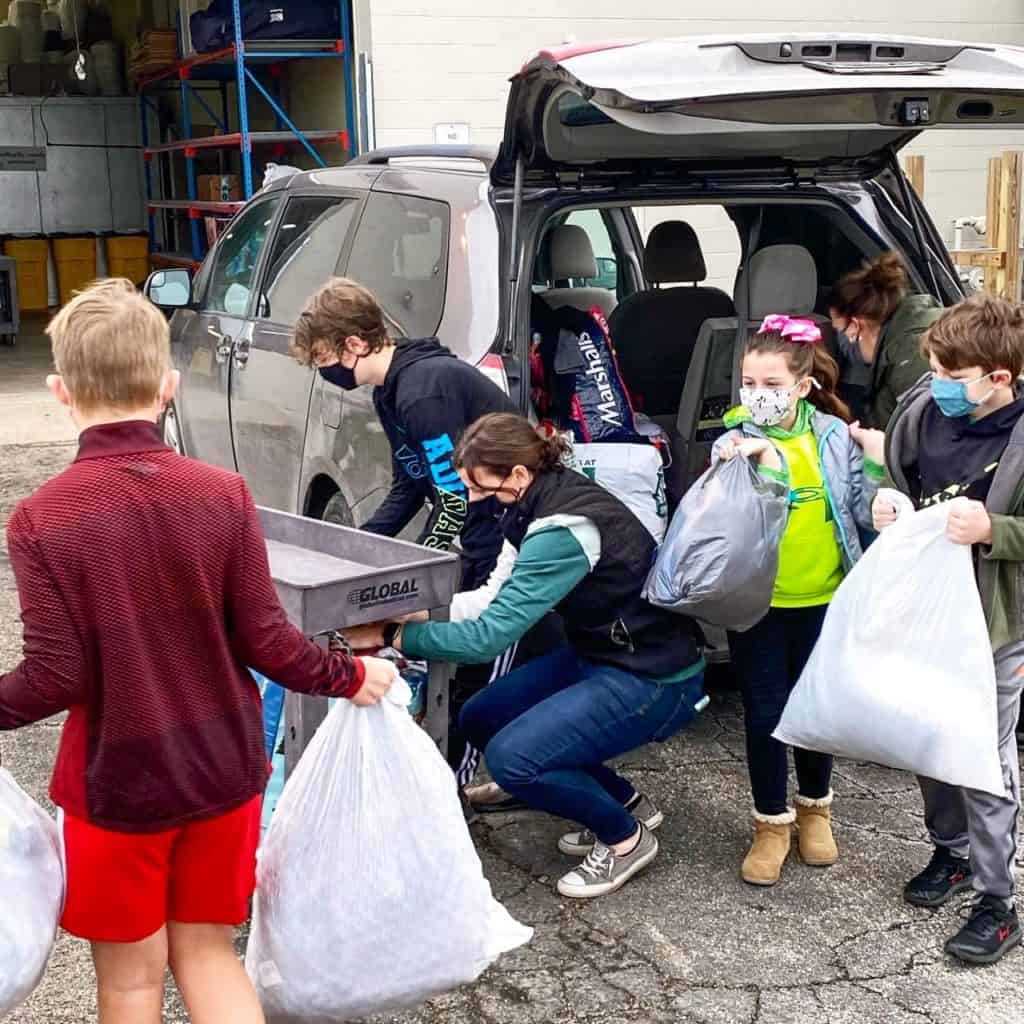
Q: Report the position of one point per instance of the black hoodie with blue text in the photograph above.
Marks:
(427, 400)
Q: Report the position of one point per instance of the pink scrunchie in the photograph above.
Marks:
(792, 328)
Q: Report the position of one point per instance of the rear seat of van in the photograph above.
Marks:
(655, 330)
(780, 279)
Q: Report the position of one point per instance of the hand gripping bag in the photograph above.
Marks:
(31, 892)
(370, 895)
(902, 674)
(721, 554)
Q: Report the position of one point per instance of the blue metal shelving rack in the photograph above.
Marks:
(240, 64)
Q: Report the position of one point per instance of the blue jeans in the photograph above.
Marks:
(547, 729)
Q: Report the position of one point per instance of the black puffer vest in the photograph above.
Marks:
(605, 618)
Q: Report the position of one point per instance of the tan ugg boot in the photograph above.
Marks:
(814, 831)
(773, 834)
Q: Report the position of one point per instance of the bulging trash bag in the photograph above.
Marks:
(720, 557)
(902, 674)
(370, 895)
(31, 892)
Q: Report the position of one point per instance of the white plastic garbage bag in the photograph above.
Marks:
(902, 674)
(721, 554)
(370, 894)
(31, 892)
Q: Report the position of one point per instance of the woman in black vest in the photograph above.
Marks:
(630, 674)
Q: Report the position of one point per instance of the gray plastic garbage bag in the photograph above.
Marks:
(370, 894)
(31, 892)
(721, 554)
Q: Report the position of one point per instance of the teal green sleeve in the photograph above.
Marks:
(550, 563)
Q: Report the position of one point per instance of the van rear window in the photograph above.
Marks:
(401, 254)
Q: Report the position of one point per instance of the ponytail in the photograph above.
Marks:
(825, 372)
(500, 441)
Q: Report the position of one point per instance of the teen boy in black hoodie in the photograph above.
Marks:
(425, 398)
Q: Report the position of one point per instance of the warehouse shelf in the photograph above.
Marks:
(234, 140)
(210, 66)
(197, 207)
(173, 260)
(243, 64)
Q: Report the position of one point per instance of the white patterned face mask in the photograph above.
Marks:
(768, 406)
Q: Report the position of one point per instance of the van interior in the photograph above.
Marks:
(679, 302)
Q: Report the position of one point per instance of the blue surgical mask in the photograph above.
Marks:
(952, 398)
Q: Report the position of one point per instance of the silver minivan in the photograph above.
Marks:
(794, 140)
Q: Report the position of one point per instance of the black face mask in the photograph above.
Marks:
(340, 375)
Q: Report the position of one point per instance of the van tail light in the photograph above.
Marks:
(493, 368)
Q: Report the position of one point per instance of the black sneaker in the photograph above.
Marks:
(944, 877)
(990, 933)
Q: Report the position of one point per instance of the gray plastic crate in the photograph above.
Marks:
(331, 577)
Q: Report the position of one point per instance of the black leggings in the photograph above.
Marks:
(769, 659)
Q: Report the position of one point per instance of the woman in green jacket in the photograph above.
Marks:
(874, 308)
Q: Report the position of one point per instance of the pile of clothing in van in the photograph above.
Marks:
(577, 391)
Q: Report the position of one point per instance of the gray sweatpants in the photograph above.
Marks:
(979, 825)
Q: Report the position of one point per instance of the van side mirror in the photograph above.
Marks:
(607, 274)
(169, 289)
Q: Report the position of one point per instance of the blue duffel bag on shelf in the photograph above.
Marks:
(213, 29)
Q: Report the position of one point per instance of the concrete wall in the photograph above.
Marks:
(437, 61)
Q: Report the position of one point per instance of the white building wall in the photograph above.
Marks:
(443, 61)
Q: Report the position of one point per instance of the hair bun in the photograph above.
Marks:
(887, 273)
(555, 449)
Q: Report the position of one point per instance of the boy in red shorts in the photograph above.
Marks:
(145, 594)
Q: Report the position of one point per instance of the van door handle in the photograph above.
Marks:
(222, 353)
(242, 353)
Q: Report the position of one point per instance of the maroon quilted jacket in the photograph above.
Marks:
(145, 594)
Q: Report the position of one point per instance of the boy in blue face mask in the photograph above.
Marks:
(960, 434)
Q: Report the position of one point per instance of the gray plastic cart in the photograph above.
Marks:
(332, 577)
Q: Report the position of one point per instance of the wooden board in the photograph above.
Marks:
(915, 174)
(1010, 223)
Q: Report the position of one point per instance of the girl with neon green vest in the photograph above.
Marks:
(796, 427)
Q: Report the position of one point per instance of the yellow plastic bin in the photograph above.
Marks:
(76, 264)
(128, 256)
(30, 256)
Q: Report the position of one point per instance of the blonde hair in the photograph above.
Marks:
(111, 346)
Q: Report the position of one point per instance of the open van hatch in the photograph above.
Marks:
(831, 102)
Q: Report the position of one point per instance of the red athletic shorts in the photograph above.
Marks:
(123, 887)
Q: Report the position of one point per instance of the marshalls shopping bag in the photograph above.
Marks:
(31, 892)
(902, 673)
(370, 895)
(721, 554)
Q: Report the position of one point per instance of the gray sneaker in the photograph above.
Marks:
(579, 844)
(603, 872)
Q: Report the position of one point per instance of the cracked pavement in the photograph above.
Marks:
(685, 942)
